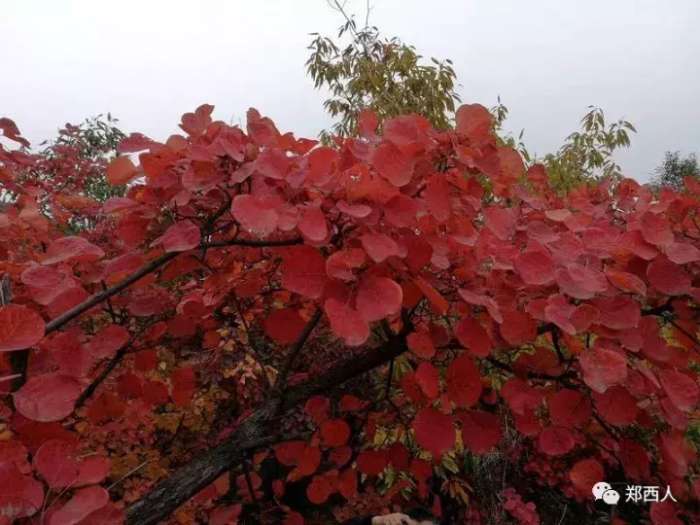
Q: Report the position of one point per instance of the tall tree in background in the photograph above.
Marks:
(588, 155)
(382, 74)
(90, 145)
(675, 169)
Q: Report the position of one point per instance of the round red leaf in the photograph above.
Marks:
(481, 431)
(284, 325)
(57, 462)
(47, 397)
(668, 277)
(435, 431)
(680, 388)
(555, 441)
(335, 432)
(20, 328)
(584, 474)
(463, 382)
(378, 297)
(473, 336)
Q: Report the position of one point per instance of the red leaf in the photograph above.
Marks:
(428, 379)
(501, 221)
(284, 325)
(82, 504)
(322, 163)
(313, 224)
(57, 462)
(367, 122)
(535, 267)
(473, 336)
(656, 230)
(481, 431)
(392, 164)
(556, 441)
(667, 277)
(93, 470)
(272, 163)
(664, 513)
(379, 246)
(20, 495)
(319, 490)
(20, 328)
(603, 368)
(401, 211)
(518, 327)
(335, 433)
(438, 303)
(347, 483)
(378, 298)
(257, 215)
(134, 142)
(437, 196)
(569, 408)
(421, 344)
(474, 121)
(304, 271)
(47, 397)
(682, 253)
(463, 382)
(340, 264)
(346, 323)
(288, 453)
(308, 463)
(11, 131)
(359, 211)
(616, 406)
(434, 431)
(179, 237)
(108, 341)
(72, 249)
(635, 460)
(580, 282)
(584, 474)
(627, 282)
(618, 312)
(681, 389)
(184, 383)
(372, 462)
(520, 396)
(318, 407)
(120, 171)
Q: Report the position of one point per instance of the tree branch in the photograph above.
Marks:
(281, 382)
(103, 375)
(172, 492)
(152, 266)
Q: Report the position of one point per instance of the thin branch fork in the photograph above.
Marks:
(152, 266)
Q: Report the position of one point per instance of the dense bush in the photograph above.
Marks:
(395, 317)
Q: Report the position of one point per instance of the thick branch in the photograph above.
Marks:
(190, 479)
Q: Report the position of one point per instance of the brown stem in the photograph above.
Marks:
(152, 266)
(103, 375)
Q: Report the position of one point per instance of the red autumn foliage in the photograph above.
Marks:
(388, 304)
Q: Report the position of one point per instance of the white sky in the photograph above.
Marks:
(149, 61)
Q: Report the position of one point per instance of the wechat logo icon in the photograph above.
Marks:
(603, 490)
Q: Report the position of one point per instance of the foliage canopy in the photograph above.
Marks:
(362, 322)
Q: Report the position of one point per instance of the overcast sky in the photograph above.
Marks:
(148, 61)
